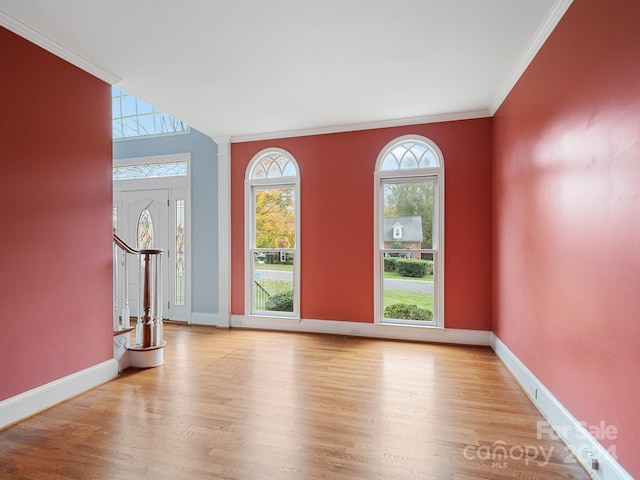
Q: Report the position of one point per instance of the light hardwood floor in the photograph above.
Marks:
(244, 405)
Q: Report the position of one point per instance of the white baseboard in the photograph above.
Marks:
(219, 320)
(582, 444)
(33, 401)
(358, 329)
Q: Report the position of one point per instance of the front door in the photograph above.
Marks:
(151, 210)
(144, 223)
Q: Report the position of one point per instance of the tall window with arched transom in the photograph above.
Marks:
(409, 229)
(272, 262)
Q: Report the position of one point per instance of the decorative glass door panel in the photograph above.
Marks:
(144, 224)
(144, 230)
(180, 253)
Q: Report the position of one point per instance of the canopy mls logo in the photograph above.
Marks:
(499, 453)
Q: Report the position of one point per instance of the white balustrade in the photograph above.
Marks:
(148, 329)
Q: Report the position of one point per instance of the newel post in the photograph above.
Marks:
(146, 305)
(151, 296)
(148, 349)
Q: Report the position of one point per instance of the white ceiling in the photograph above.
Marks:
(258, 68)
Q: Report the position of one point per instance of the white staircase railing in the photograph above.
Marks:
(149, 331)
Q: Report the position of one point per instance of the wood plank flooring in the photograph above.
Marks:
(244, 405)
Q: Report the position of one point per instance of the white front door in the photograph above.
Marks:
(145, 224)
(152, 210)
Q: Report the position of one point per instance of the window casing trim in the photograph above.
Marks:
(249, 232)
(265, 152)
(428, 143)
(410, 174)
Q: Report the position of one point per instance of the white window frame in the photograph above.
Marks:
(435, 174)
(278, 182)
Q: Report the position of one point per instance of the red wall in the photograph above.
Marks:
(336, 182)
(55, 238)
(567, 218)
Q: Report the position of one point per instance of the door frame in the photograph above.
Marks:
(179, 188)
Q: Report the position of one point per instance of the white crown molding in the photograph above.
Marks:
(400, 122)
(549, 24)
(33, 401)
(50, 45)
(222, 140)
(580, 442)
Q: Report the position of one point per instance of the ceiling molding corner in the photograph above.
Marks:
(221, 139)
(549, 24)
(41, 40)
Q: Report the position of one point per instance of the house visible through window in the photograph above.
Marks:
(132, 117)
(409, 258)
(273, 245)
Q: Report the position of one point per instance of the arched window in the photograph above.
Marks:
(272, 262)
(409, 229)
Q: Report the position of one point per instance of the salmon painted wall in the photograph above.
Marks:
(55, 238)
(336, 183)
(567, 219)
